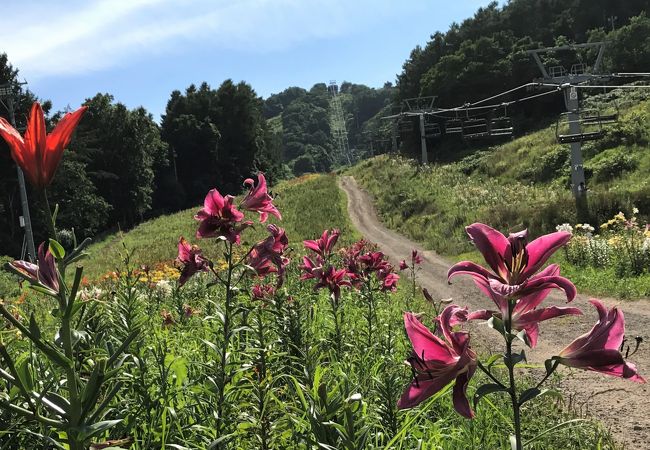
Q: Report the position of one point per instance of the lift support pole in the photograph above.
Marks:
(564, 81)
(423, 140)
(7, 91)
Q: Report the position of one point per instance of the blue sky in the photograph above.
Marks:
(141, 50)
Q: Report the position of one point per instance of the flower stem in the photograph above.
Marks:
(513, 395)
(511, 375)
(48, 212)
(226, 340)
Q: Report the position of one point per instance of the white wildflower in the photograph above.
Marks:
(565, 227)
(164, 287)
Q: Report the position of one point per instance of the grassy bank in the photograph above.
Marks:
(516, 185)
(308, 203)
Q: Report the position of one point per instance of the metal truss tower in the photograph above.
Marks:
(339, 130)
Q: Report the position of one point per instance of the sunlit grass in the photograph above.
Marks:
(308, 203)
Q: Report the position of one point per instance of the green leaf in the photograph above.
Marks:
(529, 394)
(492, 359)
(497, 324)
(89, 431)
(514, 359)
(57, 250)
(57, 403)
(487, 389)
(24, 372)
(551, 364)
(33, 327)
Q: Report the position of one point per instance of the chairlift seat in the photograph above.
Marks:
(580, 137)
(454, 126)
(501, 126)
(475, 128)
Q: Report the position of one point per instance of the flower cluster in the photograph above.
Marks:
(622, 243)
(517, 285)
(360, 261)
(220, 218)
(267, 256)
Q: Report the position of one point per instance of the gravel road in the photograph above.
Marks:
(622, 405)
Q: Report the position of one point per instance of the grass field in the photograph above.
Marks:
(309, 203)
(287, 380)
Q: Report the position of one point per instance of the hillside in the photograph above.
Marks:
(155, 241)
(521, 183)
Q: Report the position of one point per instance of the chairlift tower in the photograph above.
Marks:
(420, 107)
(339, 130)
(7, 92)
(566, 80)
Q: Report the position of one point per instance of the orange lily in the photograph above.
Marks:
(38, 154)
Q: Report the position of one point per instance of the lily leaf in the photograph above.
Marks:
(486, 389)
(57, 250)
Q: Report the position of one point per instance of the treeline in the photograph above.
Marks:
(487, 54)
(122, 167)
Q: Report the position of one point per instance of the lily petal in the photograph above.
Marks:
(541, 249)
(491, 243)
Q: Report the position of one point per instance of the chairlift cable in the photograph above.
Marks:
(626, 86)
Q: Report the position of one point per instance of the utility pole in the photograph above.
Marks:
(579, 73)
(7, 92)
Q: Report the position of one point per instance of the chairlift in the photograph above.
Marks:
(405, 125)
(501, 126)
(607, 114)
(557, 71)
(579, 69)
(590, 127)
(454, 126)
(431, 129)
(475, 128)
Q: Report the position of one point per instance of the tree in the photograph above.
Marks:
(216, 138)
(120, 148)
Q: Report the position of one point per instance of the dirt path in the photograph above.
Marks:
(622, 405)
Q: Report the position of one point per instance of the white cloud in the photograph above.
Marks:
(90, 36)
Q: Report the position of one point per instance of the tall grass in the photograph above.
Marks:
(308, 203)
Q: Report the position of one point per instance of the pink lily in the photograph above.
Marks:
(258, 199)
(403, 265)
(331, 278)
(415, 257)
(262, 291)
(267, 255)
(308, 267)
(43, 274)
(191, 259)
(525, 315)
(388, 280)
(598, 350)
(436, 361)
(324, 245)
(514, 262)
(374, 261)
(220, 218)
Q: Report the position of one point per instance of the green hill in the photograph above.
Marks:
(301, 201)
(522, 183)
